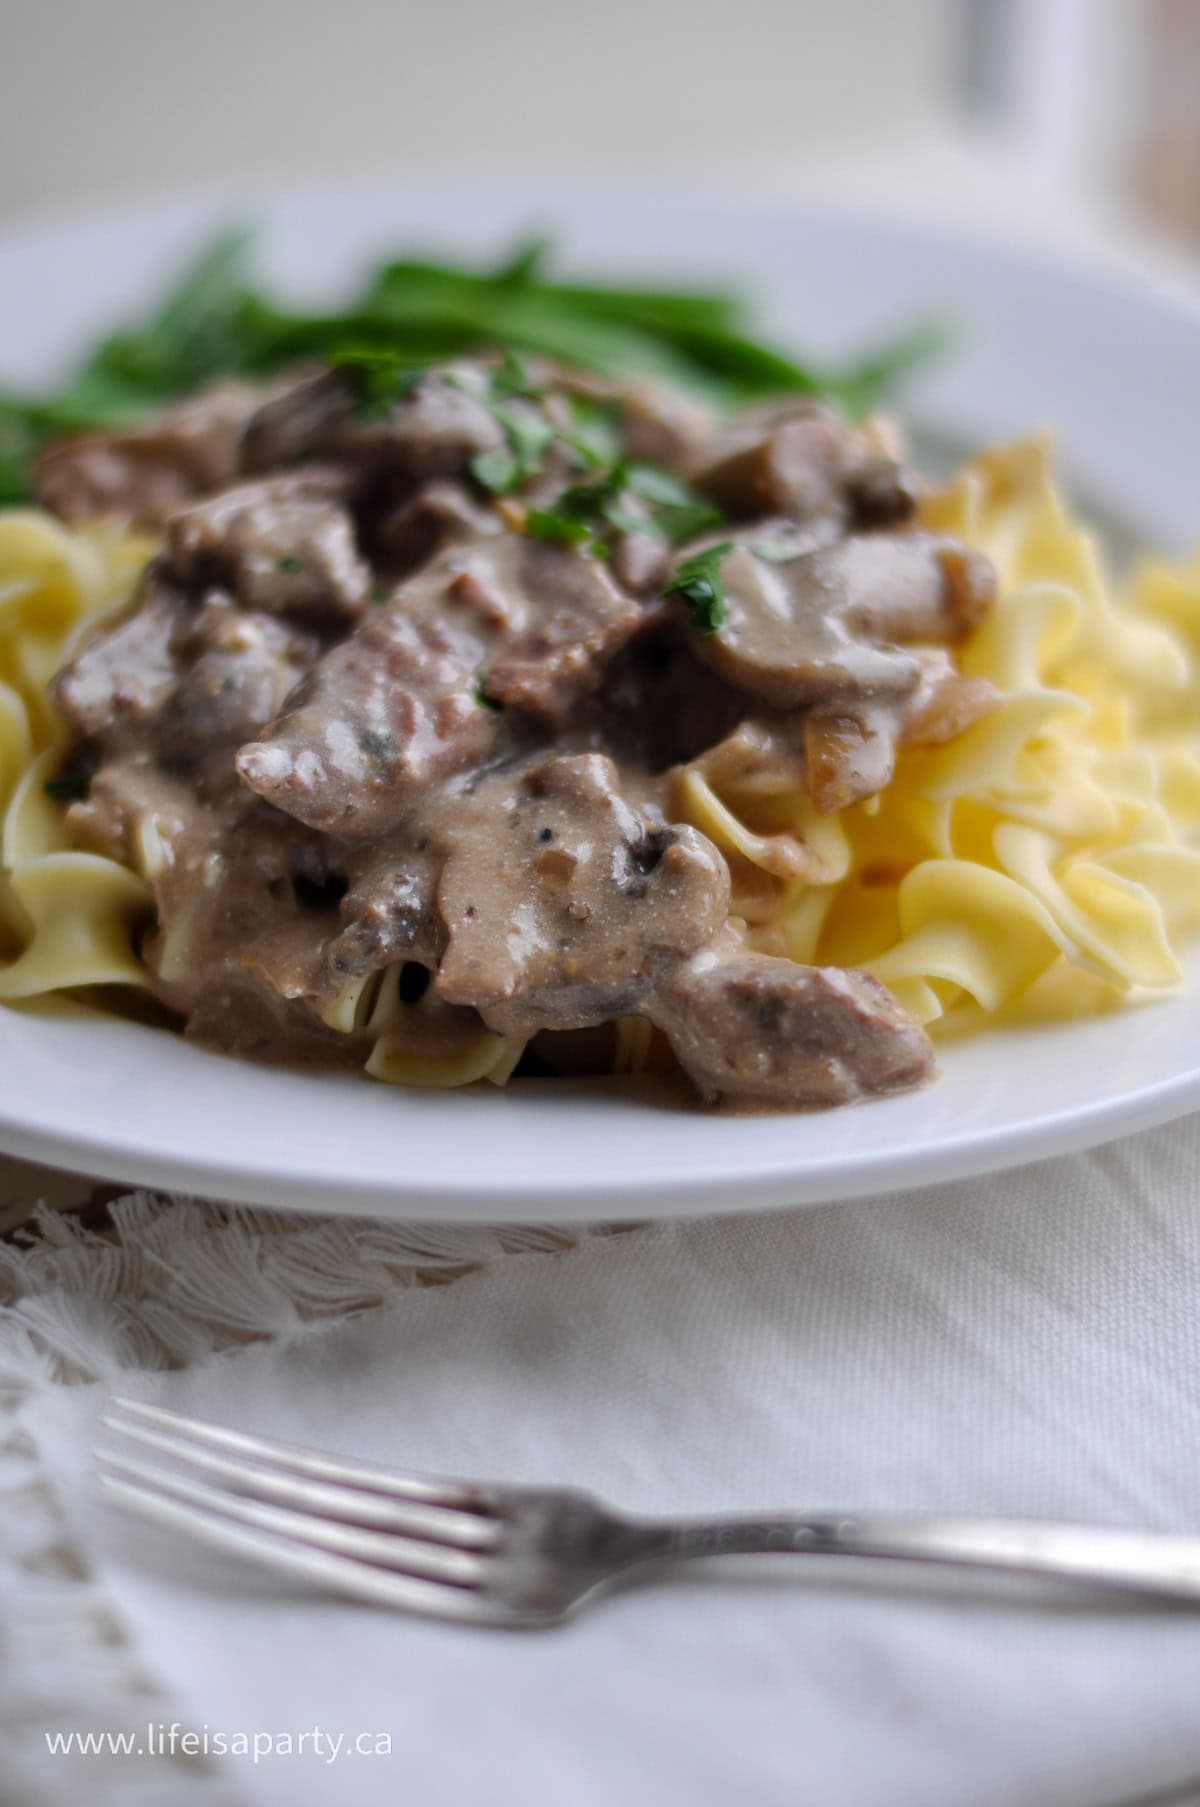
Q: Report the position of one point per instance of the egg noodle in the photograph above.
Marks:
(1043, 864)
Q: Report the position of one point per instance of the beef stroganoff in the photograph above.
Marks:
(491, 716)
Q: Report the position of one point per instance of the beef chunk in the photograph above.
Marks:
(563, 905)
(284, 546)
(431, 429)
(440, 514)
(389, 710)
(578, 619)
(238, 946)
(237, 669)
(753, 1027)
(125, 673)
(144, 473)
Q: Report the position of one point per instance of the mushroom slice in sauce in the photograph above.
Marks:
(563, 905)
(836, 622)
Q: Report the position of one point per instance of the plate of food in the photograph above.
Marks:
(498, 732)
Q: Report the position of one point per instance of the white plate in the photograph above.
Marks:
(1117, 371)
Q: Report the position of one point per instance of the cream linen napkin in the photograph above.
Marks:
(1023, 1345)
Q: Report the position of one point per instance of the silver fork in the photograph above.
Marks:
(504, 1555)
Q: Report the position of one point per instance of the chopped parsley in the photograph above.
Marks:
(677, 512)
(594, 437)
(582, 512)
(290, 563)
(698, 581)
(653, 483)
(679, 521)
(381, 378)
(567, 529)
(506, 467)
(511, 377)
(484, 701)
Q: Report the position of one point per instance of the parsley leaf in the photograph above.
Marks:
(382, 378)
(594, 437)
(497, 470)
(548, 524)
(679, 521)
(698, 582)
(485, 702)
(289, 563)
(505, 468)
(511, 377)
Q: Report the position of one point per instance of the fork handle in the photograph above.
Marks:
(1146, 1562)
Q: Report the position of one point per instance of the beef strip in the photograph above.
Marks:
(402, 704)
(384, 715)
(440, 514)
(834, 622)
(183, 682)
(431, 429)
(578, 618)
(564, 906)
(144, 473)
(753, 1026)
(283, 545)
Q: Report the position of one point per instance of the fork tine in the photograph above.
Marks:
(336, 1500)
(341, 1574)
(405, 1555)
(397, 1484)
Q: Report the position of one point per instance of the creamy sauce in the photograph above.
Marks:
(395, 764)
